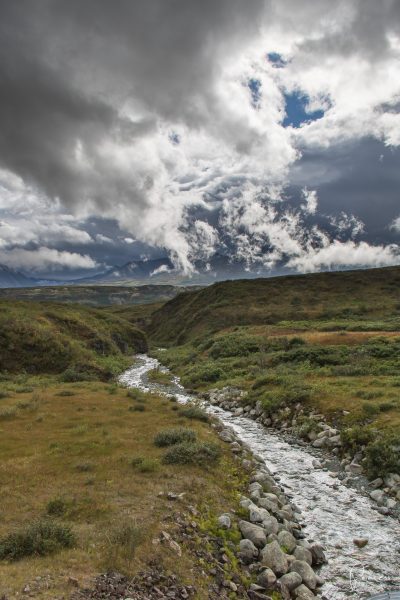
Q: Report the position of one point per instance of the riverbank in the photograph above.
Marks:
(272, 556)
(332, 513)
(312, 428)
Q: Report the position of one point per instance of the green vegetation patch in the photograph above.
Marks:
(79, 342)
(169, 437)
(193, 453)
(37, 539)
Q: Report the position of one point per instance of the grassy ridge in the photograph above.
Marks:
(330, 341)
(52, 338)
(354, 299)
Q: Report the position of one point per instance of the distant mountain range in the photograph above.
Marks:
(14, 279)
(162, 270)
(154, 271)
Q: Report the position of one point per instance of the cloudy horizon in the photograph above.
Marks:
(267, 131)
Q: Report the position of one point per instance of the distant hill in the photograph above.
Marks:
(95, 295)
(350, 295)
(15, 279)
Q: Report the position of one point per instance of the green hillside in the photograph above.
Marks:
(330, 341)
(361, 299)
(54, 338)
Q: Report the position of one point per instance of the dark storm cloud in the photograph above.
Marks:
(67, 68)
(360, 178)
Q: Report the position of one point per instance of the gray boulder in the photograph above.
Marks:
(291, 580)
(376, 483)
(224, 521)
(254, 533)
(303, 593)
(306, 573)
(319, 443)
(378, 496)
(392, 480)
(286, 540)
(318, 555)
(226, 436)
(266, 578)
(303, 554)
(248, 553)
(267, 504)
(273, 557)
(270, 525)
(257, 515)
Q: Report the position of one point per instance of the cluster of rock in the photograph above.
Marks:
(152, 584)
(273, 548)
(313, 429)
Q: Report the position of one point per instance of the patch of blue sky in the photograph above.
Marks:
(296, 110)
(174, 138)
(254, 86)
(276, 59)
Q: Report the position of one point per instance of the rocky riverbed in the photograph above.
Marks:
(312, 428)
(298, 503)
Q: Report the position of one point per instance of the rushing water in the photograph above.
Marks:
(333, 514)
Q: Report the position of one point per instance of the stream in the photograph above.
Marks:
(333, 514)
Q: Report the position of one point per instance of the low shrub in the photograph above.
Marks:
(206, 373)
(169, 437)
(65, 393)
(368, 395)
(234, 344)
(355, 437)
(56, 507)
(386, 406)
(194, 412)
(273, 400)
(383, 457)
(145, 465)
(370, 410)
(4, 394)
(137, 408)
(136, 394)
(193, 453)
(37, 539)
(72, 375)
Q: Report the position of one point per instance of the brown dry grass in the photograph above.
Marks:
(79, 448)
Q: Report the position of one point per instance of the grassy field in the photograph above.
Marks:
(81, 342)
(330, 341)
(82, 455)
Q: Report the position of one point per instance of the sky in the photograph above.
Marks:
(265, 130)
